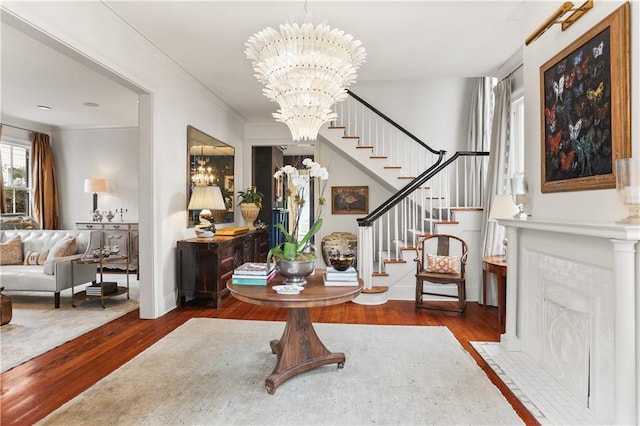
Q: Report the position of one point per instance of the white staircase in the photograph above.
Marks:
(445, 203)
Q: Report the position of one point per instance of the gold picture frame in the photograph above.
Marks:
(349, 199)
(585, 108)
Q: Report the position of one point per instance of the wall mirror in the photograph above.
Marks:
(209, 162)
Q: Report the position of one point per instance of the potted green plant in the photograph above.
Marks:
(250, 205)
(295, 256)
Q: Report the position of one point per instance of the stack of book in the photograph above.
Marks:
(340, 278)
(101, 289)
(252, 273)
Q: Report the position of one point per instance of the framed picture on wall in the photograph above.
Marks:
(585, 108)
(349, 199)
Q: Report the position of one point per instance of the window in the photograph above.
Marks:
(16, 176)
(517, 132)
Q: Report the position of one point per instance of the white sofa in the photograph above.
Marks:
(55, 274)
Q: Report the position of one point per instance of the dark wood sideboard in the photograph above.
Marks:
(206, 264)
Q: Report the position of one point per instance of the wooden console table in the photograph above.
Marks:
(206, 264)
(299, 349)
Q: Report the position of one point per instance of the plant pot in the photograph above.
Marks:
(249, 213)
(218, 215)
(295, 271)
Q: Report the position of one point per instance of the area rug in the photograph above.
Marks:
(37, 327)
(212, 371)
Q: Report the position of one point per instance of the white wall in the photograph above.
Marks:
(436, 110)
(111, 154)
(169, 101)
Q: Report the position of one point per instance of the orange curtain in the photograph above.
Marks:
(3, 196)
(45, 193)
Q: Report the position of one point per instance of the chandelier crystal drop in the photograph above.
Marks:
(305, 69)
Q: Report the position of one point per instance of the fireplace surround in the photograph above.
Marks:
(572, 307)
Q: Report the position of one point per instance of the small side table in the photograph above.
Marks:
(6, 309)
(496, 265)
(100, 262)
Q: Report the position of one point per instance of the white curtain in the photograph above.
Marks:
(499, 171)
(479, 133)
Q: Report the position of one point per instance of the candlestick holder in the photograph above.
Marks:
(122, 211)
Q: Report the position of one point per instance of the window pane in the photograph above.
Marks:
(15, 174)
(21, 201)
(19, 167)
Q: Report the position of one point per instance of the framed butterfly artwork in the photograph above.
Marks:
(585, 108)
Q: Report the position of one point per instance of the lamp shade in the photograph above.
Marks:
(502, 207)
(206, 197)
(95, 185)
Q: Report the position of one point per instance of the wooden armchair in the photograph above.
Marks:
(441, 260)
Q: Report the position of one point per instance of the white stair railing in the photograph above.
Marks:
(436, 184)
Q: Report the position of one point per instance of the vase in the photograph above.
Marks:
(249, 213)
(295, 271)
(218, 215)
(339, 244)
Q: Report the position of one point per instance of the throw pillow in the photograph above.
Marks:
(11, 251)
(443, 264)
(64, 247)
(35, 257)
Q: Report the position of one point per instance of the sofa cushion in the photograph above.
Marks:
(64, 247)
(11, 251)
(35, 257)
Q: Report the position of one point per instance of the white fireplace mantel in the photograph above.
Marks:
(624, 239)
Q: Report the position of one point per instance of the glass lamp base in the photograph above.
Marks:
(633, 218)
(521, 215)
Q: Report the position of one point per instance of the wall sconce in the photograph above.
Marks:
(95, 186)
(555, 19)
(205, 199)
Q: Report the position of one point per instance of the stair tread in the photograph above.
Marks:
(375, 289)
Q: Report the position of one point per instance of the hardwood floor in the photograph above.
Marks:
(34, 389)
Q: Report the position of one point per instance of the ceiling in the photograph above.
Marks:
(405, 40)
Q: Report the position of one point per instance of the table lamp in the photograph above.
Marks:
(205, 199)
(502, 207)
(94, 186)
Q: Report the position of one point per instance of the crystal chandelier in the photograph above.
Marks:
(305, 69)
(202, 175)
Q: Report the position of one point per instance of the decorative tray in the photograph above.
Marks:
(226, 232)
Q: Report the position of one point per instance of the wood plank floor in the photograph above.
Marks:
(32, 390)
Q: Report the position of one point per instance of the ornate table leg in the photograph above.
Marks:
(298, 350)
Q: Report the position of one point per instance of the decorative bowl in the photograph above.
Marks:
(295, 271)
(342, 263)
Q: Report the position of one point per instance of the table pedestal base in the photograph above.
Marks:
(298, 350)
